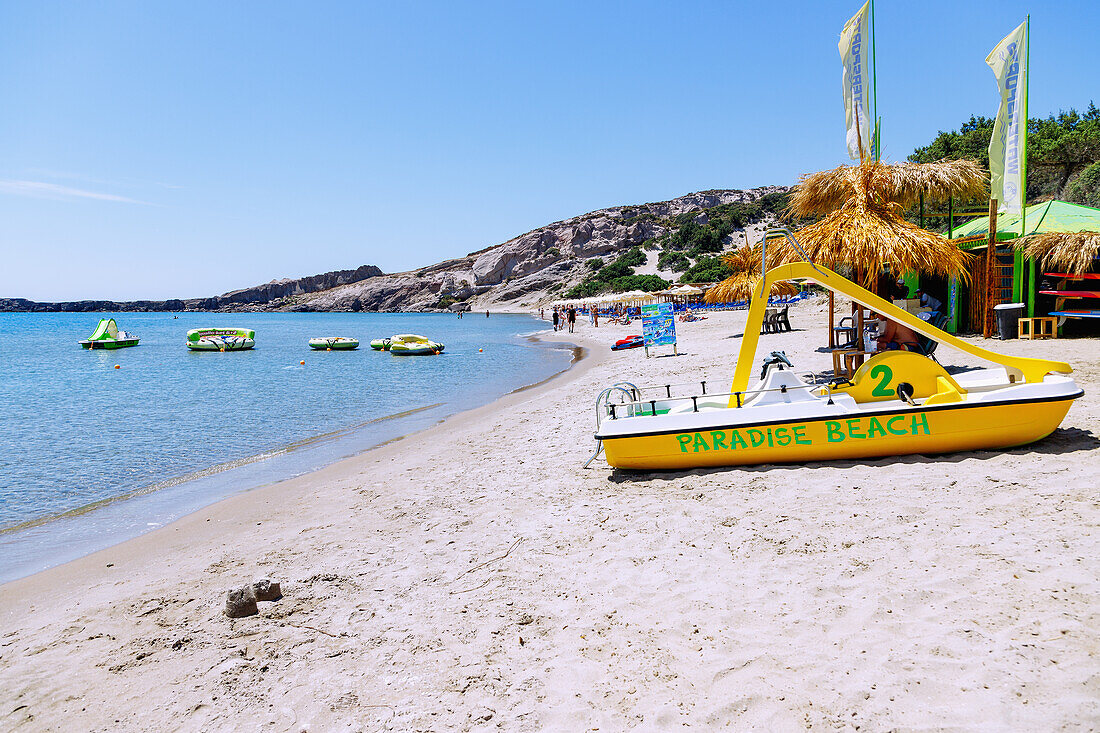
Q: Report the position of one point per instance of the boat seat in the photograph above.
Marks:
(777, 379)
(981, 380)
(704, 403)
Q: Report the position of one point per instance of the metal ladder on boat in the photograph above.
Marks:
(603, 400)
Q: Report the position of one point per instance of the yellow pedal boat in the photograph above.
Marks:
(897, 403)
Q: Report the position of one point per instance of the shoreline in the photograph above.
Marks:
(581, 355)
(225, 471)
(474, 576)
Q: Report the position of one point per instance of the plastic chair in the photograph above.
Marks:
(781, 321)
(847, 332)
(927, 346)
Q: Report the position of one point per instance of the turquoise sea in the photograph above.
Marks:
(91, 455)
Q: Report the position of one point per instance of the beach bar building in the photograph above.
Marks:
(1015, 278)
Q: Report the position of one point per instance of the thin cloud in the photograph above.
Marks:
(39, 189)
(84, 178)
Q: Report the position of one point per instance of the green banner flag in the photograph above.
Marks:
(855, 81)
(1008, 146)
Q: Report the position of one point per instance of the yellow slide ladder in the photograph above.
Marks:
(1019, 368)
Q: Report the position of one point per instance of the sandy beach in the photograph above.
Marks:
(475, 577)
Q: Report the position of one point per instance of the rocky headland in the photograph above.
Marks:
(268, 296)
(523, 272)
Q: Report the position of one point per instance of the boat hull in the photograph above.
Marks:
(416, 349)
(924, 430)
(236, 345)
(112, 344)
(407, 344)
(333, 344)
(221, 339)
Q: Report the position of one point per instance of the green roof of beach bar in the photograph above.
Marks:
(1050, 216)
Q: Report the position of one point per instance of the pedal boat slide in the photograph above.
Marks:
(897, 403)
(107, 336)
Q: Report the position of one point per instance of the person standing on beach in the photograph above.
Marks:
(571, 317)
(486, 312)
(595, 317)
(554, 317)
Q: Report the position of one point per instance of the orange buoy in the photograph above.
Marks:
(480, 350)
(118, 366)
(303, 363)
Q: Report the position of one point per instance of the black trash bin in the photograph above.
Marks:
(1008, 315)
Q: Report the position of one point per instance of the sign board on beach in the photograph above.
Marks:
(658, 325)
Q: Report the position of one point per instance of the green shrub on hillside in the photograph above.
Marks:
(706, 270)
(647, 283)
(632, 257)
(607, 273)
(675, 261)
(585, 289)
(1085, 189)
(616, 277)
(775, 203)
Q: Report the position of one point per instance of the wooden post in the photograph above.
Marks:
(990, 271)
(857, 311)
(1031, 288)
(832, 333)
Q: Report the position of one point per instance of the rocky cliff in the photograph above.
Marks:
(280, 294)
(530, 269)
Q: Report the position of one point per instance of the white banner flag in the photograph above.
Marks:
(855, 82)
(1007, 146)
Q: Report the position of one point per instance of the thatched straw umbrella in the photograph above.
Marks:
(1071, 252)
(745, 280)
(868, 233)
(821, 193)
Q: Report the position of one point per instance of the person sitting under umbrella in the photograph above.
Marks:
(896, 336)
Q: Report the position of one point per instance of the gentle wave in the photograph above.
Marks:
(207, 472)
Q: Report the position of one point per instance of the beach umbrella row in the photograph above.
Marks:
(631, 296)
(680, 291)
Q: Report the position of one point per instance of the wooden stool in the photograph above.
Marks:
(846, 361)
(1045, 327)
(853, 360)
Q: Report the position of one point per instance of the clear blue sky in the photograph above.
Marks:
(176, 149)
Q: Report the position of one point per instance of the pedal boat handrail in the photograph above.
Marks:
(648, 408)
(1019, 368)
